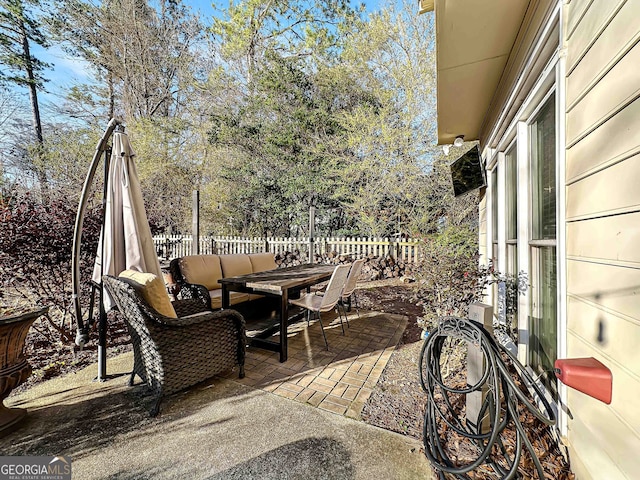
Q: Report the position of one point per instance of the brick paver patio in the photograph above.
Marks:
(339, 380)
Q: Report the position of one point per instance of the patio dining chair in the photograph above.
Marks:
(318, 304)
(349, 292)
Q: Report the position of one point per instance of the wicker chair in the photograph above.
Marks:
(171, 354)
(188, 290)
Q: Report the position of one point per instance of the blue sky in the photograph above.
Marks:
(68, 71)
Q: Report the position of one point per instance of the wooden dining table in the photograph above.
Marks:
(284, 283)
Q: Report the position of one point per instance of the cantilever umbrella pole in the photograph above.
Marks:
(82, 334)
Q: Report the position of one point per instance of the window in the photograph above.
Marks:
(511, 227)
(494, 216)
(543, 328)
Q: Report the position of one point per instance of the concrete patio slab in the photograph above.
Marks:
(221, 429)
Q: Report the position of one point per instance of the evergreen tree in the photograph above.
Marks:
(18, 30)
(144, 51)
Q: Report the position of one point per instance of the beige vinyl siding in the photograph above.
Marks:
(617, 89)
(620, 233)
(614, 426)
(602, 322)
(603, 229)
(590, 27)
(577, 10)
(594, 196)
(591, 433)
(614, 141)
(620, 36)
(615, 336)
(613, 288)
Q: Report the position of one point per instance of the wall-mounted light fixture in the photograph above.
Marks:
(456, 143)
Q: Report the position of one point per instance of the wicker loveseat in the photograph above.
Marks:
(171, 354)
(197, 275)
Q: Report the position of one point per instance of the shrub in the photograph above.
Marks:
(449, 278)
(35, 257)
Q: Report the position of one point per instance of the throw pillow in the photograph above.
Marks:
(153, 291)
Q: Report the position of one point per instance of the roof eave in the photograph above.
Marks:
(473, 43)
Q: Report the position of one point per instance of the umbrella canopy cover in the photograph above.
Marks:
(126, 241)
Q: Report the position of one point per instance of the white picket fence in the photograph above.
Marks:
(173, 246)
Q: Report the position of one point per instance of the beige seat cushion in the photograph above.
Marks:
(152, 290)
(261, 262)
(234, 298)
(202, 269)
(234, 265)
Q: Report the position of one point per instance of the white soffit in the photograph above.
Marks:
(473, 42)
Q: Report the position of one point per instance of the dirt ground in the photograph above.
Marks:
(398, 401)
(49, 361)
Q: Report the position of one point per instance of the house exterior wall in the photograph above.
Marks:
(603, 228)
(599, 221)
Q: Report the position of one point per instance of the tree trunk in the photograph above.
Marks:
(112, 94)
(35, 112)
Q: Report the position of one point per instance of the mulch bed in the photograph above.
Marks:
(398, 401)
(49, 361)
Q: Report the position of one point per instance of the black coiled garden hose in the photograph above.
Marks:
(501, 404)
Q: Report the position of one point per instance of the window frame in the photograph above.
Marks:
(539, 248)
(511, 188)
(511, 129)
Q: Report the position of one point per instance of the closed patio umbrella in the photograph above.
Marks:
(126, 241)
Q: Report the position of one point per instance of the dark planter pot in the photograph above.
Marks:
(14, 368)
